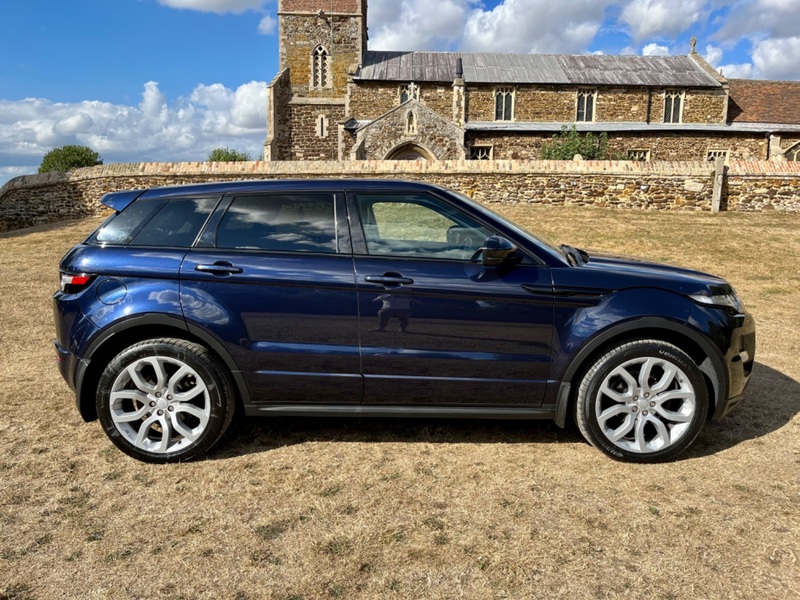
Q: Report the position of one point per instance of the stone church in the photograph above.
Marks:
(334, 99)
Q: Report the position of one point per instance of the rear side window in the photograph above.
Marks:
(285, 223)
(157, 222)
(176, 224)
(120, 228)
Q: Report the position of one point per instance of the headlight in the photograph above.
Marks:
(729, 300)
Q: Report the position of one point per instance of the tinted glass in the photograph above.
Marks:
(120, 228)
(287, 223)
(418, 226)
(177, 223)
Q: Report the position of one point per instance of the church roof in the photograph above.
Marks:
(499, 68)
(760, 101)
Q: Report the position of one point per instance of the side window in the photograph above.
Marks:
(418, 226)
(177, 223)
(285, 223)
(119, 229)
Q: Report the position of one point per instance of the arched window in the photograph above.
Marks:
(793, 153)
(320, 68)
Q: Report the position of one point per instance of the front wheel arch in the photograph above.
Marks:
(702, 351)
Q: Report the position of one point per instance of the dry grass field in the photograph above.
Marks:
(304, 509)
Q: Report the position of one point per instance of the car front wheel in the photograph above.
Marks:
(164, 400)
(642, 401)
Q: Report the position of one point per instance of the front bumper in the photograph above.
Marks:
(739, 361)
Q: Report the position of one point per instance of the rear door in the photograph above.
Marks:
(272, 278)
(437, 326)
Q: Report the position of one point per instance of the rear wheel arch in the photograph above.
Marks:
(705, 355)
(110, 342)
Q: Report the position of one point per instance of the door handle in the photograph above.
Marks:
(389, 279)
(219, 268)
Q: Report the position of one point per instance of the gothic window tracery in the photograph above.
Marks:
(320, 68)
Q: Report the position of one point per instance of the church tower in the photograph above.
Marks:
(319, 41)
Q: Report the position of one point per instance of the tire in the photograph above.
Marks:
(164, 400)
(642, 401)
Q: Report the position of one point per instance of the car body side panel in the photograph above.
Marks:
(289, 321)
(475, 334)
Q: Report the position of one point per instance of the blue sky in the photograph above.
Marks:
(162, 80)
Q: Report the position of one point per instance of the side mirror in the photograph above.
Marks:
(496, 250)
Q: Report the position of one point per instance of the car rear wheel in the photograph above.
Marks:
(164, 400)
(642, 401)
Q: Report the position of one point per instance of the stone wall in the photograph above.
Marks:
(279, 93)
(301, 30)
(707, 107)
(748, 185)
(370, 100)
(622, 105)
(307, 139)
(433, 132)
(687, 145)
(662, 145)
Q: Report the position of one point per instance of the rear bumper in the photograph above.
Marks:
(66, 361)
(72, 370)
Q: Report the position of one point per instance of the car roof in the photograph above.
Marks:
(119, 200)
(225, 187)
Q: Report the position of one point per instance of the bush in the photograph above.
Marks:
(568, 143)
(227, 155)
(66, 158)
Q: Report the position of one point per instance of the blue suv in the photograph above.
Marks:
(380, 298)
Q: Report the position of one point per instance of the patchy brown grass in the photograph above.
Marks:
(299, 508)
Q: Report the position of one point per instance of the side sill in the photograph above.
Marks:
(433, 412)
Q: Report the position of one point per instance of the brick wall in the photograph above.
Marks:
(749, 186)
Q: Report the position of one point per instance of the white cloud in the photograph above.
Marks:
(415, 24)
(736, 71)
(777, 58)
(761, 19)
(268, 25)
(535, 26)
(662, 18)
(155, 130)
(654, 49)
(713, 55)
(216, 6)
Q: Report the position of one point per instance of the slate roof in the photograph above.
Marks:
(498, 68)
(761, 101)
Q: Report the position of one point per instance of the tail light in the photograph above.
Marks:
(72, 283)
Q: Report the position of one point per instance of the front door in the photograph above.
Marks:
(438, 327)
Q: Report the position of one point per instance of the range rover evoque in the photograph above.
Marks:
(381, 298)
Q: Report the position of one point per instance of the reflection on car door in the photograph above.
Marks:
(278, 289)
(438, 327)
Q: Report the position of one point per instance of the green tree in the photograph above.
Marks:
(227, 155)
(69, 157)
(568, 143)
